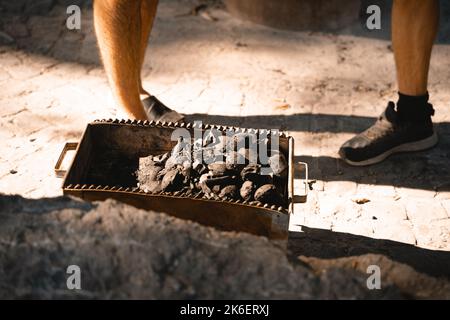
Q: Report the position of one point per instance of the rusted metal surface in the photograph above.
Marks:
(105, 162)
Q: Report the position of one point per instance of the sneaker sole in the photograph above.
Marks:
(420, 145)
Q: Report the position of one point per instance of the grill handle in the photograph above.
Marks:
(301, 198)
(69, 146)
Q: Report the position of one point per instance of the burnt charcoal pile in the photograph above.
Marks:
(220, 168)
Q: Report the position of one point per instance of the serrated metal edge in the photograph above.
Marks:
(178, 194)
(189, 125)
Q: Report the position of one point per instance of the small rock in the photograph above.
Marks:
(228, 192)
(170, 163)
(151, 186)
(187, 173)
(206, 190)
(268, 194)
(148, 170)
(360, 200)
(216, 189)
(217, 169)
(278, 164)
(204, 177)
(161, 159)
(250, 172)
(247, 189)
(12, 171)
(202, 183)
(221, 181)
(199, 167)
(172, 181)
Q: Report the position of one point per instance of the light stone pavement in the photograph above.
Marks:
(321, 87)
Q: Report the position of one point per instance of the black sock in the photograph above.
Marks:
(415, 108)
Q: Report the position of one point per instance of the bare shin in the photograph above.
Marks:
(414, 28)
(118, 30)
(148, 13)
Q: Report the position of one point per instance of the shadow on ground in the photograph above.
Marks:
(119, 248)
(427, 170)
(326, 244)
(39, 28)
(304, 122)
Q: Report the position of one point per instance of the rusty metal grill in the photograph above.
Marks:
(133, 137)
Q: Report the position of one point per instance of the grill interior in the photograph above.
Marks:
(105, 166)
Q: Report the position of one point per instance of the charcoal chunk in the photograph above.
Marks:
(147, 175)
(278, 164)
(161, 159)
(221, 181)
(217, 169)
(199, 167)
(252, 172)
(247, 190)
(228, 192)
(151, 186)
(172, 181)
(203, 185)
(187, 173)
(216, 189)
(148, 170)
(268, 194)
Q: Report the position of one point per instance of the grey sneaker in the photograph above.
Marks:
(389, 134)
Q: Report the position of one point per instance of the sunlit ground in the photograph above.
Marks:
(322, 88)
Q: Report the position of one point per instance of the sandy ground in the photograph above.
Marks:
(126, 253)
(321, 87)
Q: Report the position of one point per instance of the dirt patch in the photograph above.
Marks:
(128, 253)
